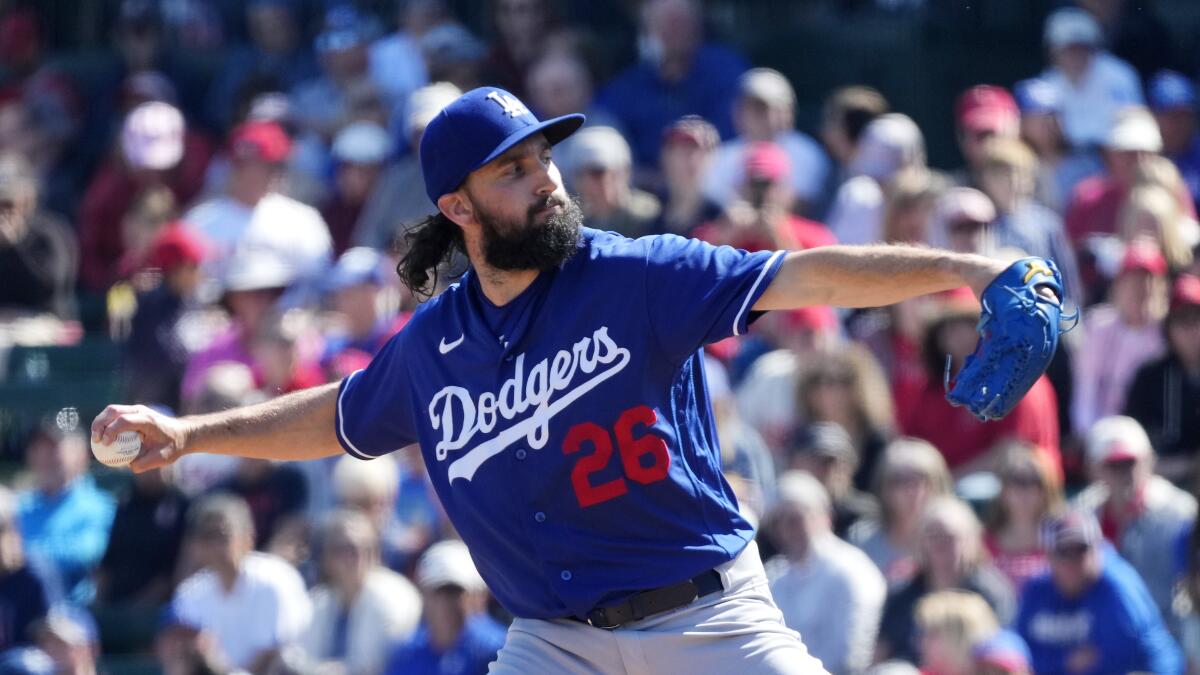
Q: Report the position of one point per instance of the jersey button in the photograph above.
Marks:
(521, 453)
(540, 517)
(565, 575)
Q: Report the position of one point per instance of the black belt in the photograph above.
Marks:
(655, 601)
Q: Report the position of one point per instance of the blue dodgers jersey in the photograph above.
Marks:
(576, 455)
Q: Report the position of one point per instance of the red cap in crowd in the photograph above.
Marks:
(1144, 256)
(1185, 292)
(176, 245)
(818, 318)
(986, 107)
(767, 161)
(692, 129)
(263, 141)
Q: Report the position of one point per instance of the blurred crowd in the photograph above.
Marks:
(234, 228)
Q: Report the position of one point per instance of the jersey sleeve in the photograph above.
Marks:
(375, 405)
(698, 293)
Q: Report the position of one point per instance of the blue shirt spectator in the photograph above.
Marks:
(24, 600)
(1172, 97)
(1091, 613)
(678, 75)
(481, 637)
(65, 519)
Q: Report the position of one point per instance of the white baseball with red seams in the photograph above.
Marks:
(119, 453)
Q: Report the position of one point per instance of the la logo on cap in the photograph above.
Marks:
(511, 105)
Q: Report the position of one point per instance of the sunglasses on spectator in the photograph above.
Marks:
(1025, 480)
(1071, 551)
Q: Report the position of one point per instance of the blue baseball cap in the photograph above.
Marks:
(1170, 89)
(1036, 96)
(476, 128)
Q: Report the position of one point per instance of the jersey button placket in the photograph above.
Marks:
(540, 516)
(565, 575)
(521, 453)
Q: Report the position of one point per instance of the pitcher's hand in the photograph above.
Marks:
(164, 439)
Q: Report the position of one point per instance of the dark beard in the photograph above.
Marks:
(533, 246)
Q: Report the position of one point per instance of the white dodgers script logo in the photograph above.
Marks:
(512, 106)
(459, 418)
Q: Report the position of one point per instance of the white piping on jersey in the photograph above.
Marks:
(342, 421)
(745, 303)
(546, 378)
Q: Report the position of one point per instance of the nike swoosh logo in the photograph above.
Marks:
(446, 348)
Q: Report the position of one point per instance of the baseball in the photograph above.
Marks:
(120, 453)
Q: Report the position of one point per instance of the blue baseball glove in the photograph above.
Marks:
(1018, 333)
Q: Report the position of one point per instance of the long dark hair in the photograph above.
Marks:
(426, 246)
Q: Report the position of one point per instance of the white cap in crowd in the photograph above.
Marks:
(769, 86)
(362, 143)
(1117, 438)
(152, 136)
(448, 563)
(1072, 26)
(600, 148)
(425, 103)
(802, 489)
(1134, 130)
(355, 479)
(889, 143)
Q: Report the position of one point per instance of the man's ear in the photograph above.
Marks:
(457, 208)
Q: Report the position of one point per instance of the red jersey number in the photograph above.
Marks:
(644, 458)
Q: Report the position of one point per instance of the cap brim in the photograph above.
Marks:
(555, 130)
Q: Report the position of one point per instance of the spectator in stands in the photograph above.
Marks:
(154, 151)
(911, 472)
(1121, 335)
(1007, 173)
(276, 494)
(844, 117)
(1097, 201)
(1172, 97)
(1091, 613)
(679, 74)
(949, 555)
(1154, 210)
(687, 151)
(1060, 167)
(71, 638)
(1135, 33)
(824, 450)
(965, 442)
(361, 609)
(454, 55)
(321, 103)
(456, 636)
(746, 460)
(150, 212)
(846, 386)
(559, 83)
(140, 562)
(276, 51)
(770, 363)
(1031, 488)
(765, 111)
(761, 217)
(354, 287)
(250, 289)
(522, 30)
(1164, 396)
(155, 354)
(952, 624)
(890, 143)
(909, 204)
(253, 215)
(1187, 601)
(1003, 653)
(399, 196)
(397, 65)
(960, 221)
(253, 604)
(603, 170)
(360, 151)
(982, 113)
(64, 518)
(395, 499)
(1092, 83)
(1139, 512)
(42, 122)
(38, 253)
(827, 589)
(23, 596)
